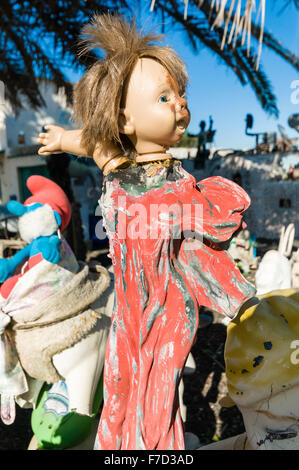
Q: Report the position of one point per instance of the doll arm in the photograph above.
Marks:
(9, 265)
(107, 155)
(60, 140)
(48, 247)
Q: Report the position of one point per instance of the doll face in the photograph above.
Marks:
(155, 115)
(273, 424)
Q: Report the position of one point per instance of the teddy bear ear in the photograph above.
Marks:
(16, 208)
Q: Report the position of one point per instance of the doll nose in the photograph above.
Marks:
(181, 104)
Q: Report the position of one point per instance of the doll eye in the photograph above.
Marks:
(163, 99)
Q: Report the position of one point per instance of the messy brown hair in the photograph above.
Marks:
(100, 93)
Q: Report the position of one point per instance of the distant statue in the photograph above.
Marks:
(204, 137)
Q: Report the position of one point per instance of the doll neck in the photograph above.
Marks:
(152, 156)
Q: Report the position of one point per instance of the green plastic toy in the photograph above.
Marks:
(55, 427)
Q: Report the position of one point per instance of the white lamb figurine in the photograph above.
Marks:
(295, 269)
(275, 269)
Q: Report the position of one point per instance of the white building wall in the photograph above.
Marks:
(29, 122)
(262, 178)
(10, 177)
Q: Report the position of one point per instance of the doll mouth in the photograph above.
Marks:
(182, 125)
(183, 121)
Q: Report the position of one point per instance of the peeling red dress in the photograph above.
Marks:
(164, 231)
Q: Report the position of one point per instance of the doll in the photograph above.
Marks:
(165, 230)
(264, 381)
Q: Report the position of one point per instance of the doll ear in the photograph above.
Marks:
(125, 122)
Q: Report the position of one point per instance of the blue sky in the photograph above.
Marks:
(215, 90)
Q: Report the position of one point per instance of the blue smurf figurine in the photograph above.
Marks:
(41, 218)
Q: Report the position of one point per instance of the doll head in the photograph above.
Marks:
(262, 369)
(111, 88)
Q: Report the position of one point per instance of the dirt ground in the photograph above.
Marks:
(206, 418)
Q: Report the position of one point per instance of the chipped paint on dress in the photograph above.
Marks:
(160, 282)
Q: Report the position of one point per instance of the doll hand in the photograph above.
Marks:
(51, 140)
(48, 247)
(6, 269)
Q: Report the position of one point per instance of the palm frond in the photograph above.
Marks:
(240, 59)
(225, 27)
(272, 43)
(258, 80)
(236, 16)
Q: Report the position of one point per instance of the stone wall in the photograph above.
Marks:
(275, 200)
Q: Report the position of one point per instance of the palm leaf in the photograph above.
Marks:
(235, 15)
(240, 59)
(223, 26)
